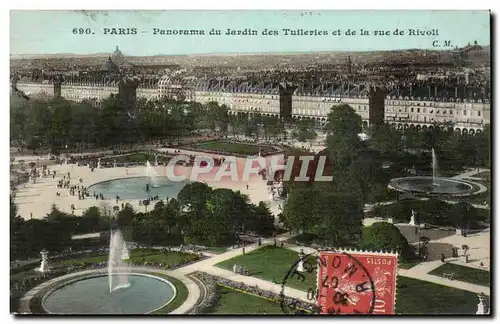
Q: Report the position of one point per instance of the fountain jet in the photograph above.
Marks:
(434, 168)
(152, 176)
(118, 270)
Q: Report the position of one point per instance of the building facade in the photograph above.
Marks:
(468, 116)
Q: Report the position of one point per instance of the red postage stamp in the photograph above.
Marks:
(352, 282)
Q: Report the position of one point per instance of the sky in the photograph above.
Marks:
(51, 32)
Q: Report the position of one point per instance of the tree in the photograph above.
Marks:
(91, 220)
(305, 131)
(272, 127)
(384, 236)
(299, 211)
(464, 215)
(342, 128)
(126, 215)
(193, 196)
(386, 140)
(262, 220)
(333, 212)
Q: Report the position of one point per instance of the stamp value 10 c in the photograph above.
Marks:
(356, 283)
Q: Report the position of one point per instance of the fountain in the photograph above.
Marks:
(156, 159)
(435, 185)
(122, 290)
(117, 269)
(152, 176)
(44, 265)
(98, 163)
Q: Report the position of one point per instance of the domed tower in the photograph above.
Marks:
(109, 66)
(117, 57)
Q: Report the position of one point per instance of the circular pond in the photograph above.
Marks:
(431, 186)
(138, 188)
(145, 294)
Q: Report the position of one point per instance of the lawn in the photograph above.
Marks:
(146, 255)
(413, 296)
(407, 264)
(480, 198)
(272, 264)
(463, 273)
(234, 302)
(416, 297)
(235, 148)
(485, 175)
(180, 298)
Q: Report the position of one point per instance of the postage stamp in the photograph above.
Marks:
(356, 282)
(343, 282)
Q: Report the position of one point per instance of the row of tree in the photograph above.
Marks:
(200, 215)
(434, 211)
(57, 123)
(453, 150)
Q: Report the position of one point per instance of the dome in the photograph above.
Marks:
(118, 57)
(109, 66)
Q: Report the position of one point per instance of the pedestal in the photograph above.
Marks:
(44, 266)
(390, 221)
(125, 253)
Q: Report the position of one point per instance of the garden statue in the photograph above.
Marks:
(300, 265)
(483, 305)
(412, 219)
(44, 266)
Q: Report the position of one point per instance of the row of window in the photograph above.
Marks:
(432, 111)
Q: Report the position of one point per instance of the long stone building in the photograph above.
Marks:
(402, 108)
(468, 116)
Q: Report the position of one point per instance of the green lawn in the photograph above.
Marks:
(463, 273)
(416, 297)
(168, 258)
(234, 302)
(272, 264)
(235, 148)
(408, 264)
(413, 296)
(180, 298)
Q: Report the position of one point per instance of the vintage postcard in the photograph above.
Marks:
(250, 162)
